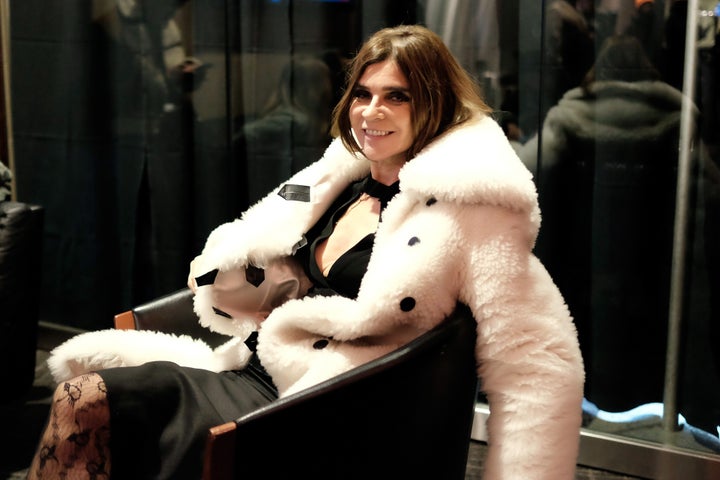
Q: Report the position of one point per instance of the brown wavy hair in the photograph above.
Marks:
(442, 93)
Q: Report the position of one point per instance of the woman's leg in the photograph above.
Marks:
(75, 442)
(159, 412)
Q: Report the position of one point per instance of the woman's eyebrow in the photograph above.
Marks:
(388, 88)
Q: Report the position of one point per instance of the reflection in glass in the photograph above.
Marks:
(152, 119)
(607, 182)
(606, 158)
(293, 129)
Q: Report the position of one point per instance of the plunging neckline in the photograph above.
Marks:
(359, 220)
(367, 208)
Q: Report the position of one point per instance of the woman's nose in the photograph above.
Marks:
(372, 110)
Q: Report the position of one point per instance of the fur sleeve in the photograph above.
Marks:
(272, 228)
(109, 348)
(529, 359)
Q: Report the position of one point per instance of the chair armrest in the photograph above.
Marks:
(220, 458)
(407, 414)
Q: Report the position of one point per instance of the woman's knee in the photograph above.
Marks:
(80, 393)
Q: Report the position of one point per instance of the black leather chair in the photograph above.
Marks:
(407, 414)
(21, 228)
(171, 313)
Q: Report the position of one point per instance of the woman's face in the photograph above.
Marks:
(381, 114)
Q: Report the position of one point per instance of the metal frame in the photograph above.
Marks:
(8, 156)
(628, 456)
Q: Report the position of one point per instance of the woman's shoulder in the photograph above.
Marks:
(473, 163)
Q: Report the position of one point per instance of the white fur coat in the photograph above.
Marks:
(462, 229)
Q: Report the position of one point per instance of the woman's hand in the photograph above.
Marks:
(191, 283)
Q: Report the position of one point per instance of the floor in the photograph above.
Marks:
(23, 420)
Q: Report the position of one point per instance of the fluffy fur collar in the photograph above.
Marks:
(472, 164)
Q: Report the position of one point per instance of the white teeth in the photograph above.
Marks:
(377, 133)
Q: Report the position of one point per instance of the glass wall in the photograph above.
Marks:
(620, 124)
(142, 125)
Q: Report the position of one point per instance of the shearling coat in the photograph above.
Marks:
(462, 229)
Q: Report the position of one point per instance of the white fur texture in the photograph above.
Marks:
(100, 349)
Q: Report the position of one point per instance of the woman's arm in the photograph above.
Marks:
(528, 354)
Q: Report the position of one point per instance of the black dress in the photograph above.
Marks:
(160, 412)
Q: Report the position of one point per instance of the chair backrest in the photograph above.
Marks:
(171, 313)
(21, 244)
(407, 414)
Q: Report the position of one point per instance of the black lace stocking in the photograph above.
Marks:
(75, 442)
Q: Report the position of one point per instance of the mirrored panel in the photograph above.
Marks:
(619, 121)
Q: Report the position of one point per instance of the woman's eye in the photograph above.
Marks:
(398, 97)
(392, 97)
(361, 94)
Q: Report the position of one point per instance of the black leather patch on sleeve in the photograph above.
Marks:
(221, 313)
(295, 193)
(207, 278)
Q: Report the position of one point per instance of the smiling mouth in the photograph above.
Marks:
(377, 133)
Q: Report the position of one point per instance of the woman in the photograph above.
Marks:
(418, 204)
